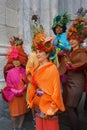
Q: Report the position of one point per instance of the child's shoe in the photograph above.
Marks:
(14, 128)
(34, 122)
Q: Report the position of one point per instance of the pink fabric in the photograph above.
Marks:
(18, 92)
(13, 77)
(13, 82)
(47, 124)
(70, 67)
(63, 78)
(62, 53)
(7, 94)
(15, 53)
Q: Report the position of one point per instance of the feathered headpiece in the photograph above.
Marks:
(76, 30)
(40, 41)
(17, 42)
(16, 50)
(36, 27)
(61, 20)
(43, 43)
(82, 12)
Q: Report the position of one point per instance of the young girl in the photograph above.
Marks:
(16, 83)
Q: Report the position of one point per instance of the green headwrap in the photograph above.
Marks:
(61, 20)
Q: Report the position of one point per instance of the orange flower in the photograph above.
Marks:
(38, 38)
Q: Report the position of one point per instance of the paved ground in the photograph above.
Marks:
(5, 121)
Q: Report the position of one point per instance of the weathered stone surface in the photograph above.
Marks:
(2, 15)
(11, 18)
(13, 4)
(9, 26)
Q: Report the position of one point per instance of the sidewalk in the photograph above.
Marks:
(5, 121)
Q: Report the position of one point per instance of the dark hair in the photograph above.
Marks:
(63, 27)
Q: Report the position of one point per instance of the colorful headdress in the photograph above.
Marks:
(43, 43)
(61, 20)
(85, 26)
(82, 12)
(76, 30)
(16, 50)
(17, 42)
(40, 41)
(36, 27)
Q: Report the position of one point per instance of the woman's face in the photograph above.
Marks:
(74, 43)
(16, 63)
(41, 55)
(58, 30)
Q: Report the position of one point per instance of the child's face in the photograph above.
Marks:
(58, 30)
(16, 63)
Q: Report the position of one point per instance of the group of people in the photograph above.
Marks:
(51, 79)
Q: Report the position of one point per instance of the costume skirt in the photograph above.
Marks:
(47, 123)
(18, 105)
(74, 87)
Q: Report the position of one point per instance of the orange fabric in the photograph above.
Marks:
(47, 124)
(20, 105)
(47, 79)
(22, 81)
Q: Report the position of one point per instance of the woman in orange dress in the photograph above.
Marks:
(44, 93)
(16, 83)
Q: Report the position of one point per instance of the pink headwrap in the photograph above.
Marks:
(13, 54)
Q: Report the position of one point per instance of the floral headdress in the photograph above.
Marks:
(40, 41)
(85, 25)
(17, 42)
(16, 51)
(43, 43)
(61, 20)
(76, 30)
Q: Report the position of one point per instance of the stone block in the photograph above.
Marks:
(12, 31)
(11, 18)
(2, 15)
(3, 35)
(3, 2)
(13, 4)
(2, 63)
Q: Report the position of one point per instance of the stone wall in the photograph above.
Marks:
(9, 26)
(46, 10)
